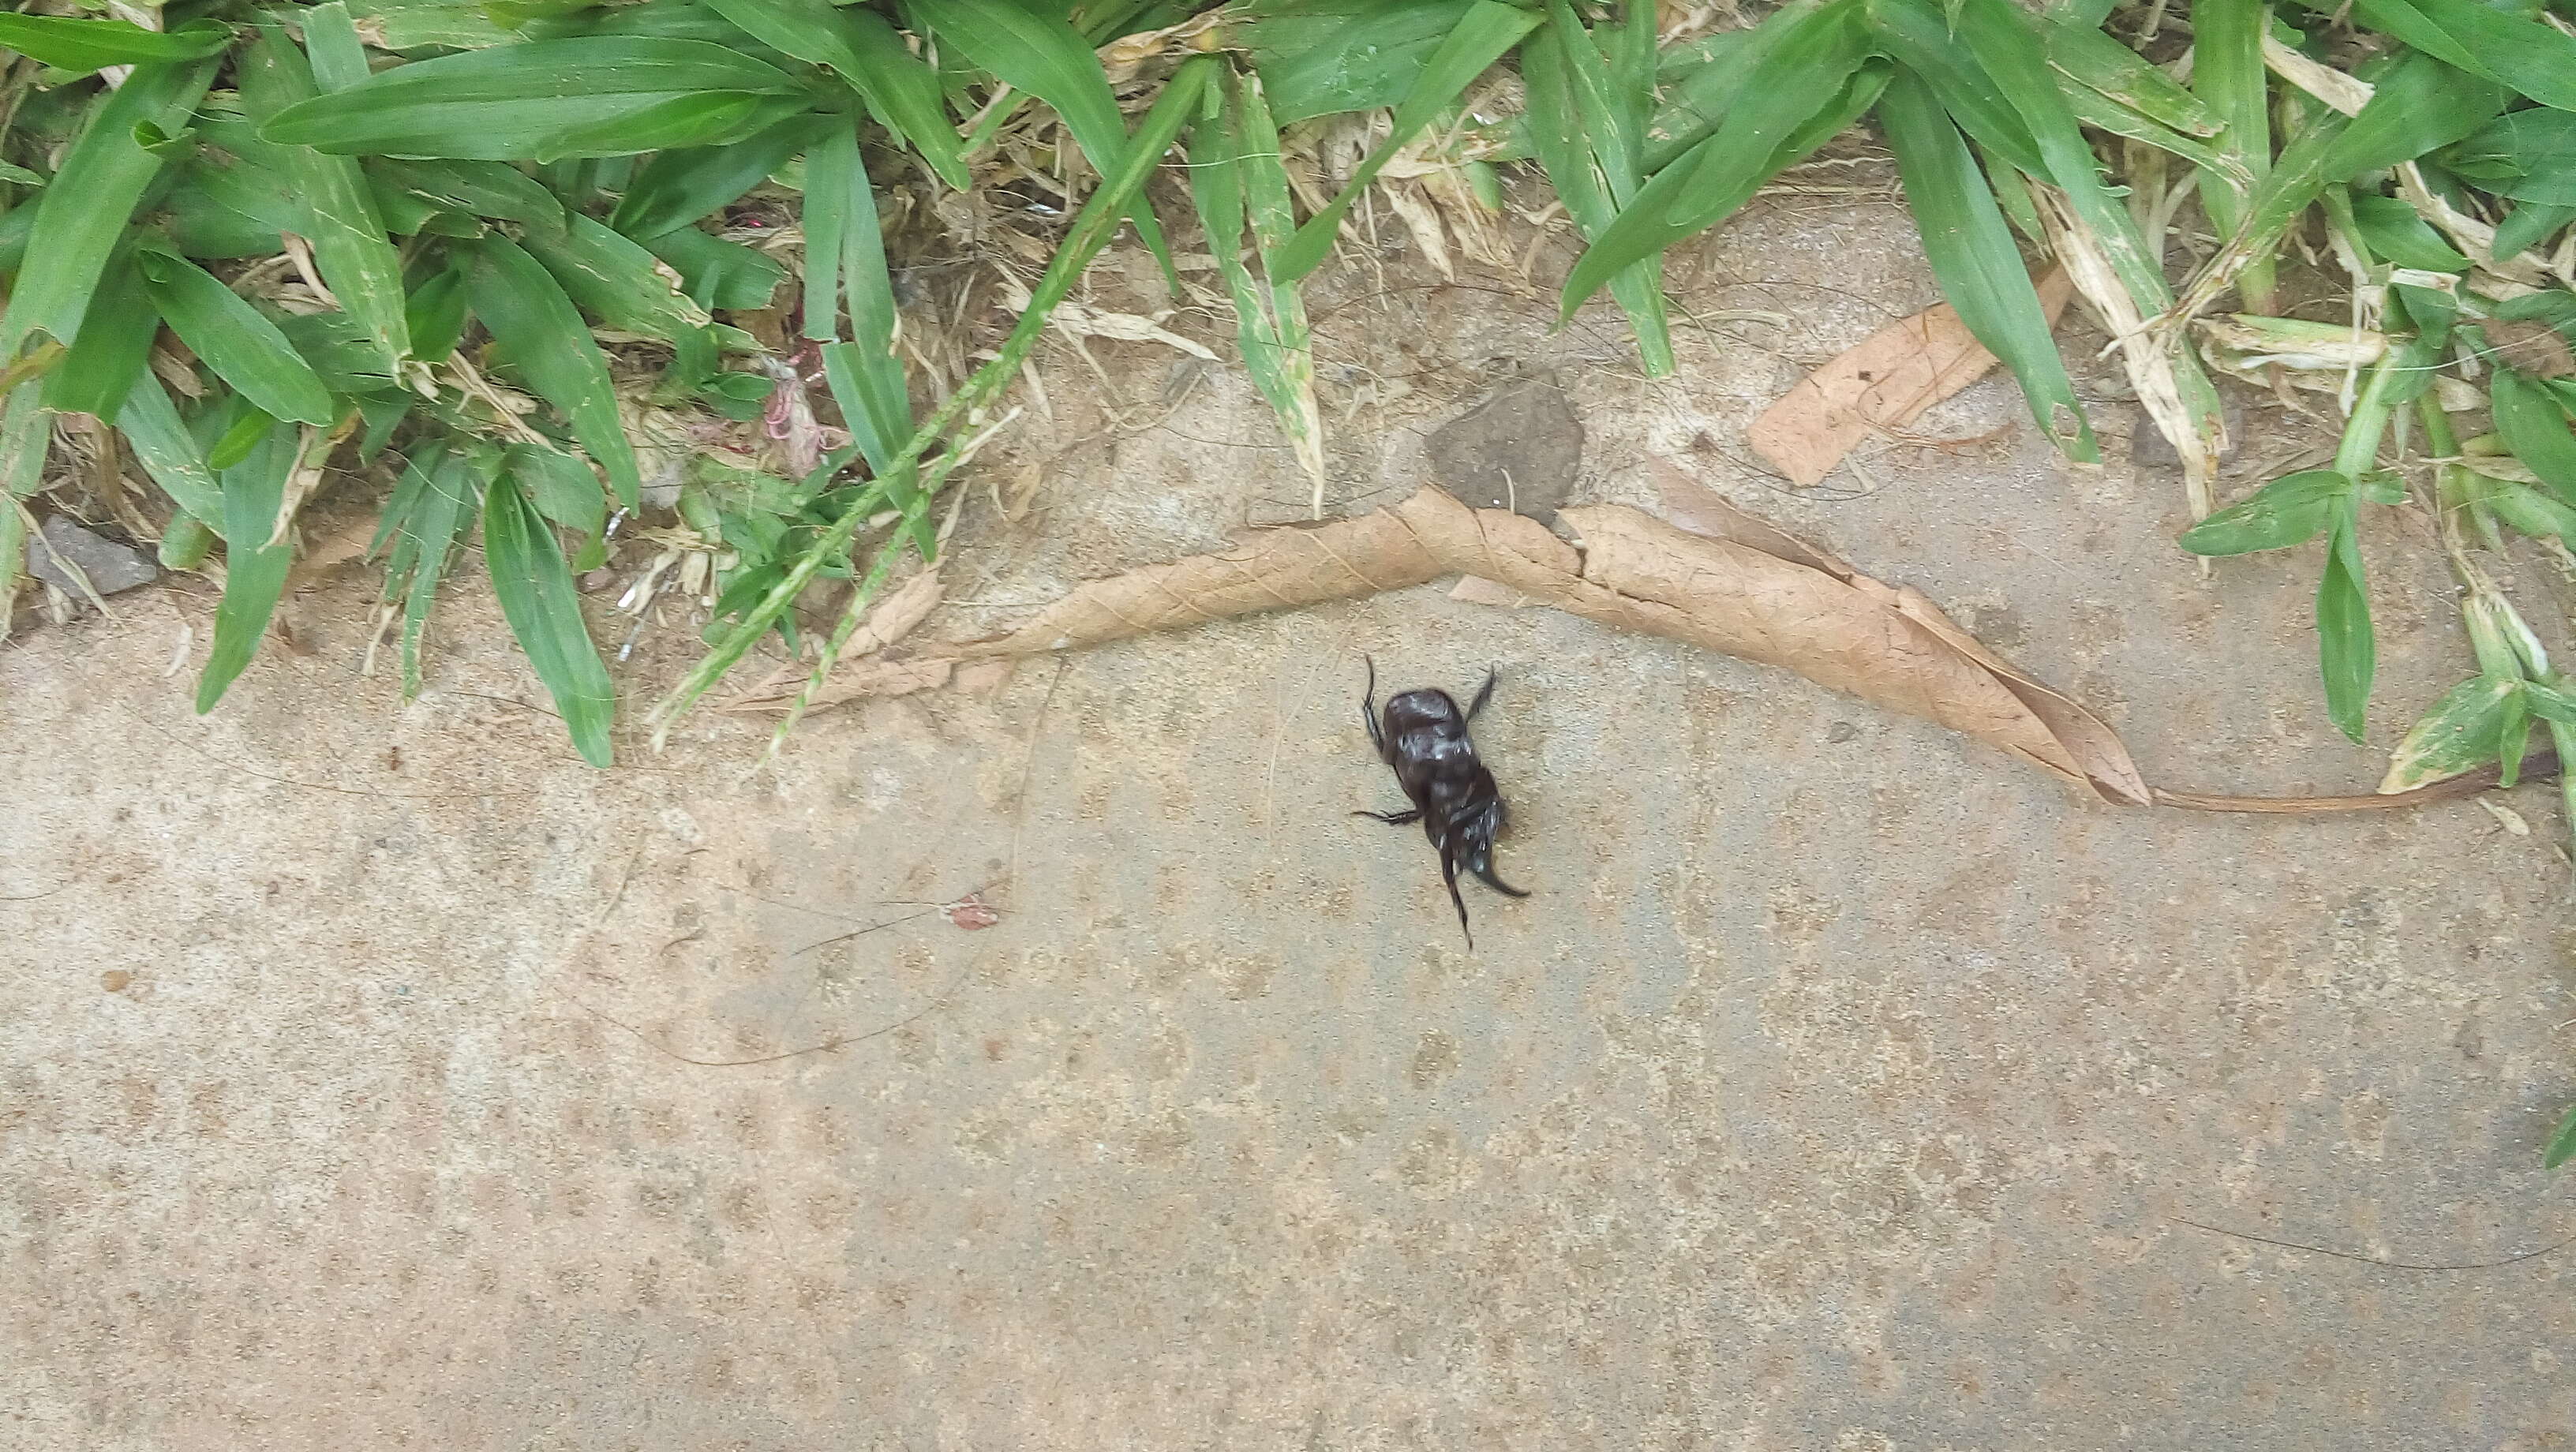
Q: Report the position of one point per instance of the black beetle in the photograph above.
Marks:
(1424, 737)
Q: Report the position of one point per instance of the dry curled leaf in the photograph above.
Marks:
(1883, 383)
(1775, 600)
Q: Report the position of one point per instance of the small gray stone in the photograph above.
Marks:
(1526, 430)
(110, 566)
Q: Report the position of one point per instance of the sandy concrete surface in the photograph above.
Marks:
(378, 1076)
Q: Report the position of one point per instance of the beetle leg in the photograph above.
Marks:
(1484, 871)
(1449, 875)
(1368, 707)
(1484, 693)
(1394, 819)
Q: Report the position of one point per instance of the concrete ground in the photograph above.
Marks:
(375, 1075)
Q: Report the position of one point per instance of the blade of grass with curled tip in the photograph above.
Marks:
(1823, 56)
(1182, 97)
(1973, 258)
(359, 263)
(543, 606)
(233, 338)
(1483, 35)
(520, 101)
(527, 312)
(254, 576)
(1047, 58)
(81, 46)
(83, 210)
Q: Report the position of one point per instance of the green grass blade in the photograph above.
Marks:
(476, 188)
(358, 262)
(1226, 152)
(1940, 56)
(694, 120)
(445, 506)
(614, 279)
(2529, 155)
(859, 46)
(1568, 106)
(1182, 98)
(2288, 511)
(2532, 58)
(234, 339)
(539, 600)
(2531, 225)
(718, 273)
(254, 575)
(2227, 72)
(1697, 98)
(2347, 650)
(678, 187)
(82, 46)
(1322, 57)
(2533, 426)
(826, 219)
(331, 43)
(2562, 1144)
(565, 490)
(845, 260)
(1820, 58)
(1482, 36)
(114, 345)
(162, 445)
(81, 213)
(2463, 731)
(521, 101)
(2396, 232)
(2419, 105)
(2098, 63)
(527, 312)
(1975, 261)
(1047, 58)
(904, 93)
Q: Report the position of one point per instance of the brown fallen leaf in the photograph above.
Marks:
(1738, 584)
(1635, 572)
(1883, 383)
(2092, 750)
